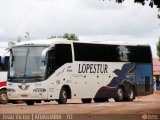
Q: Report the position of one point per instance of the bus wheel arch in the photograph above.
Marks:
(3, 96)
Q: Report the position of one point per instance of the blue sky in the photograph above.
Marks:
(91, 20)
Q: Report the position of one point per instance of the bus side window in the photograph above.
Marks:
(63, 54)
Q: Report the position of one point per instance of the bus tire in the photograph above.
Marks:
(119, 95)
(130, 94)
(3, 97)
(63, 96)
(97, 100)
(30, 102)
(86, 100)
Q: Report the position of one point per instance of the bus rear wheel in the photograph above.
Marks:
(29, 102)
(3, 97)
(63, 96)
(119, 95)
(130, 94)
(86, 100)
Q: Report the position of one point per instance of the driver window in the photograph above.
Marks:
(51, 62)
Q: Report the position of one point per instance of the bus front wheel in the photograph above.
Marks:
(3, 97)
(29, 102)
(63, 96)
(119, 95)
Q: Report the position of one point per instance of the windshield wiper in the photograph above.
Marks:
(15, 77)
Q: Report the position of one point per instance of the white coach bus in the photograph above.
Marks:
(4, 59)
(61, 69)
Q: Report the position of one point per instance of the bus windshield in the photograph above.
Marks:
(25, 62)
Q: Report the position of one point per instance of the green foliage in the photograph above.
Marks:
(70, 36)
(67, 36)
(158, 49)
(143, 2)
(151, 2)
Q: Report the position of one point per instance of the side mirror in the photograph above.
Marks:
(44, 54)
(43, 59)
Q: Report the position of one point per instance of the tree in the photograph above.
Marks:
(151, 2)
(158, 49)
(67, 36)
(70, 36)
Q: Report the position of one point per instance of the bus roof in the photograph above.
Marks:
(49, 42)
(52, 42)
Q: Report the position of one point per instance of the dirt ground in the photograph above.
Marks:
(147, 108)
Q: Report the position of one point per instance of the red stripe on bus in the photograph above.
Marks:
(3, 83)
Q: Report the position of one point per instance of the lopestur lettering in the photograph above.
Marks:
(92, 68)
